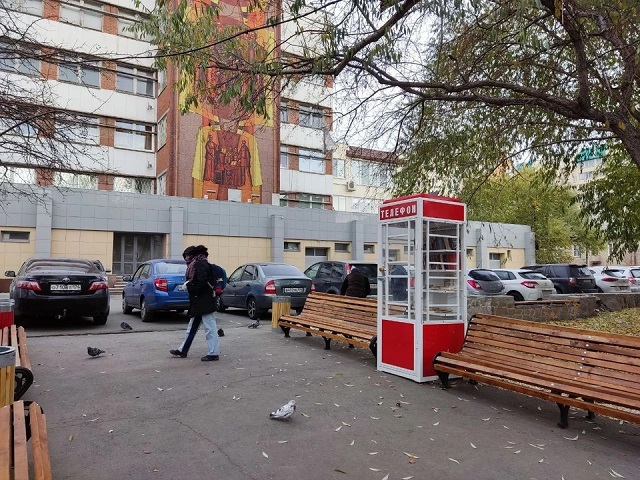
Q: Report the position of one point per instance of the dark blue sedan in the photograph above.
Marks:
(157, 285)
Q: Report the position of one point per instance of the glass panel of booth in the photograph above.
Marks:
(398, 268)
(442, 279)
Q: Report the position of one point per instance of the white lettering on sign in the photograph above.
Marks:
(398, 211)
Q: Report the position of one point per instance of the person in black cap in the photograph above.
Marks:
(355, 284)
(202, 303)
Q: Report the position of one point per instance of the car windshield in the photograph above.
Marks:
(483, 275)
(171, 268)
(613, 273)
(369, 270)
(280, 270)
(62, 266)
(635, 273)
(532, 276)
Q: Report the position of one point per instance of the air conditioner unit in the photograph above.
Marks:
(351, 185)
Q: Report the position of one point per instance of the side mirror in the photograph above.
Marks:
(9, 273)
(127, 278)
(107, 271)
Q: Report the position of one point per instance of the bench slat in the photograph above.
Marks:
(20, 461)
(573, 402)
(5, 337)
(355, 341)
(328, 324)
(625, 354)
(5, 442)
(22, 345)
(625, 382)
(503, 371)
(39, 441)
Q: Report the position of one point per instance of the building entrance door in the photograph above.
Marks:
(131, 249)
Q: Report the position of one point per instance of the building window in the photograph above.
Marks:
(338, 168)
(136, 136)
(161, 184)
(25, 176)
(137, 81)
(162, 80)
(78, 130)
(577, 251)
(340, 203)
(133, 185)
(14, 236)
(311, 161)
(33, 7)
(79, 70)
(367, 173)
(394, 255)
(284, 156)
(365, 205)
(83, 13)
(284, 112)
(162, 132)
(469, 252)
(19, 59)
(311, 201)
(311, 116)
(369, 248)
(126, 20)
(342, 247)
(25, 130)
(292, 246)
(75, 180)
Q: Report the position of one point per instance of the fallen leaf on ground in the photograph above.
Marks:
(472, 445)
(454, 460)
(305, 415)
(374, 469)
(265, 455)
(410, 455)
(574, 438)
(338, 429)
(373, 453)
(352, 443)
(70, 438)
(283, 441)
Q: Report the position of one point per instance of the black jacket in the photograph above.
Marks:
(200, 293)
(355, 285)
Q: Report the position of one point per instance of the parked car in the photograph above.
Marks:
(328, 275)
(481, 281)
(157, 285)
(567, 277)
(633, 274)
(252, 287)
(610, 279)
(525, 284)
(59, 287)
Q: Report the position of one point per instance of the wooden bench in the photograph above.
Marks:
(334, 317)
(599, 372)
(18, 423)
(16, 337)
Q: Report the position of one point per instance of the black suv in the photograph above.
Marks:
(328, 275)
(567, 277)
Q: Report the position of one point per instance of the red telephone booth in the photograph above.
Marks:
(421, 291)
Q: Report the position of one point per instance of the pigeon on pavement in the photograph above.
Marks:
(284, 412)
(255, 324)
(125, 326)
(94, 352)
(220, 332)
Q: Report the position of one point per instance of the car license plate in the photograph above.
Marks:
(293, 290)
(60, 287)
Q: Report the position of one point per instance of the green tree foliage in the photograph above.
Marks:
(527, 198)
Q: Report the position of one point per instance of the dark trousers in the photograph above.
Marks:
(192, 329)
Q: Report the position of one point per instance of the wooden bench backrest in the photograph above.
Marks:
(14, 336)
(606, 359)
(348, 309)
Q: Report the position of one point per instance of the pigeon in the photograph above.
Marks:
(126, 326)
(255, 324)
(284, 412)
(220, 332)
(94, 352)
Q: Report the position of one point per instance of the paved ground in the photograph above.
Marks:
(138, 413)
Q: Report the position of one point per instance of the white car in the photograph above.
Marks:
(525, 284)
(610, 279)
(632, 273)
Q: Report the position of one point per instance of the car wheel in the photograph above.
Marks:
(126, 309)
(252, 309)
(599, 290)
(100, 319)
(145, 313)
(517, 296)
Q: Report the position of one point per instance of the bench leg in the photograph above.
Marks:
(373, 346)
(590, 414)
(564, 415)
(309, 334)
(23, 380)
(327, 343)
(351, 344)
(444, 379)
(285, 330)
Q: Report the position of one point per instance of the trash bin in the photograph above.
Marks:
(6, 312)
(7, 375)
(280, 306)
